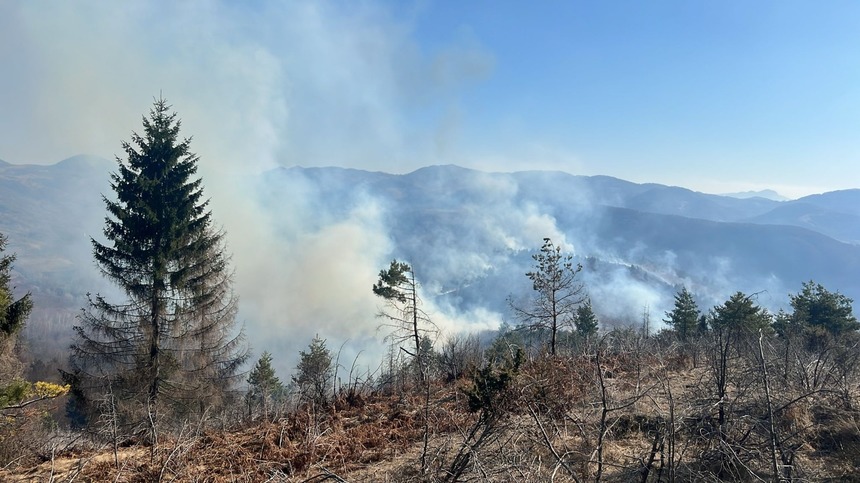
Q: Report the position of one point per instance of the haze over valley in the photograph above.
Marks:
(311, 241)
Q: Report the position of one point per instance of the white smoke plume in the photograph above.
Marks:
(257, 87)
(312, 83)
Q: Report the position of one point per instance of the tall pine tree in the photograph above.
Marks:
(558, 293)
(398, 287)
(171, 345)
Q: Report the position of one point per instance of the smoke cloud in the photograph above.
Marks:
(257, 86)
(311, 83)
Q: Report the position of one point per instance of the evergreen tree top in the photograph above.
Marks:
(685, 316)
(739, 312)
(817, 306)
(395, 282)
(159, 216)
(263, 374)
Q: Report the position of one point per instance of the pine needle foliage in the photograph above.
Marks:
(398, 287)
(815, 306)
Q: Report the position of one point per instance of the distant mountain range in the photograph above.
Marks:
(766, 194)
(646, 238)
(470, 234)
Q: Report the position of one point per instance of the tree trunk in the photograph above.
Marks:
(415, 333)
(771, 426)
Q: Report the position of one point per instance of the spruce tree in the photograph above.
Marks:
(172, 342)
(315, 371)
(684, 318)
(264, 384)
(586, 321)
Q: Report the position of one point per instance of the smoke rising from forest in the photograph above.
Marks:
(319, 85)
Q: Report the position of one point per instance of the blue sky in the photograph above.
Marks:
(715, 96)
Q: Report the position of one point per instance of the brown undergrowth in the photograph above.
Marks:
(654, 423)
(310, 442)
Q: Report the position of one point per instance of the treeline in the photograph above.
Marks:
(732, 392)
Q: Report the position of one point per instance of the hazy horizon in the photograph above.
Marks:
(718, 98)
(766, 192)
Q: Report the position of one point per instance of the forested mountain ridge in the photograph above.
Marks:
(677, 235)
(559, 188)
(470, 232)
(836, 214)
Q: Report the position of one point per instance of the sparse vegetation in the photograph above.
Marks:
(25, 421)
(766, 401)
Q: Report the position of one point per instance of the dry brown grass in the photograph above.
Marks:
(549, 430)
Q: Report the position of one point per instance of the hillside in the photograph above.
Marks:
(834, 214)
(627, 409)
(446, 215)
